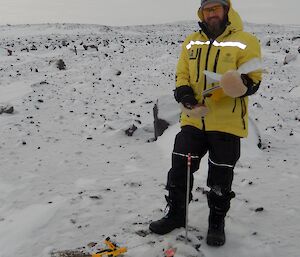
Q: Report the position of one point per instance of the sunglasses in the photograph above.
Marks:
(213, 9)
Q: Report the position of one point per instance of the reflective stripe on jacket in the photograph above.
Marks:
(227, 52)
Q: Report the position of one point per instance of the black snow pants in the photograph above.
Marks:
(224, 152)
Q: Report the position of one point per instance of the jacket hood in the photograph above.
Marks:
(235, 21)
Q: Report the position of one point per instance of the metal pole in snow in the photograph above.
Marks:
(189, 163)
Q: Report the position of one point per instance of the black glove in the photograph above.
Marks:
(185, 95)
(189, 101)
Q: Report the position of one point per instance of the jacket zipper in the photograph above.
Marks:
(206, 62)
(216, 60)
(205, 80)
(198, 64)
(243, 111)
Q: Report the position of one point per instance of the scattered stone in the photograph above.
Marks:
(33, 48)
(64, 43)
(258, 105)
(160, 125)
(60, 64)
(86, 47)
(91, 244)
(259, 209)
(129, 132)
(70, 253)
(6, 109)
(96, 197)
(25, 49)
(289, 58)
(133, 184)
(142, 233)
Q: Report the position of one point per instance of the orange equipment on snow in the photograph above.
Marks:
(112, 251)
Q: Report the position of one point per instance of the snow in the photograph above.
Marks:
(14, 91)
(70, 176)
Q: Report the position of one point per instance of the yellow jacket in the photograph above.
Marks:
(230, 50)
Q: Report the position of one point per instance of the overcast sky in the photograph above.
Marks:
(134, 12)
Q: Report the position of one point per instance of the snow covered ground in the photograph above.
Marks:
(69, 175)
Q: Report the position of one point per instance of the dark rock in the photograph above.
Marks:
(129, 132)
(95, 197)
(60, 64)
(6, 109)
(86, 47)
(259, 209)
(91, 244)
(289, 58)
(70, 253)
(142, 233)
(160, 125)
(64, 43)
(33, 48)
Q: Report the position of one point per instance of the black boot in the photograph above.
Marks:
(216, 233)
(175, 218)
(219, 204)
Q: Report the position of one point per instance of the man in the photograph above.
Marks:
(213, 122)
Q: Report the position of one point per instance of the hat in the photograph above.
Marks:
(205, 2)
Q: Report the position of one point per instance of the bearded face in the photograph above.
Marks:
(215, 18)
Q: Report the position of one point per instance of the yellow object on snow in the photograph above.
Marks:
(112, 251)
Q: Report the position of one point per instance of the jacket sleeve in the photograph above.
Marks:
(182, 71)
(252, 80)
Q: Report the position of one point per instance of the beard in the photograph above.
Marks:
(216, 26)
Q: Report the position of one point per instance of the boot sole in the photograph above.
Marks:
(163, 232)
(215, 244)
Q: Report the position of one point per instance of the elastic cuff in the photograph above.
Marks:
(182, 91)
